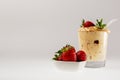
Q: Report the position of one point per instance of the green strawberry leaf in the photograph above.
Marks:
(100, 24)
(59, 51)
(83, 21)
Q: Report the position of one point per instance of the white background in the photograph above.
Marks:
(32, 30)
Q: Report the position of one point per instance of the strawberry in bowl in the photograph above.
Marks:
(67, 53)
(68, 59)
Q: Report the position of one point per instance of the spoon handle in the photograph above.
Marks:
(112, 21)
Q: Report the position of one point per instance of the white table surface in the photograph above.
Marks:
(44, 69)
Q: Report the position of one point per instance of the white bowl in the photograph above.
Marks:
(69, 66)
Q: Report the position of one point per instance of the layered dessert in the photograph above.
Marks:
(93, 40)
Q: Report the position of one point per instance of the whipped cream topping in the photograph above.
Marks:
(93, 28)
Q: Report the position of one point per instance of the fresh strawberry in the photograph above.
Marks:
(67, 53)
(69, 56)
(88, 24)
(81, 55)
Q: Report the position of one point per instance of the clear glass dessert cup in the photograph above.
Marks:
(94, 43)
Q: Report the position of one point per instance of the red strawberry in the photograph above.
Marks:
(67, 53)
(69, 56)
(88, 24)
(81, 55)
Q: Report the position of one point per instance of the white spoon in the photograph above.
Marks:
(112, 21)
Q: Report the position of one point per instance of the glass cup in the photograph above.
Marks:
(94, 43)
